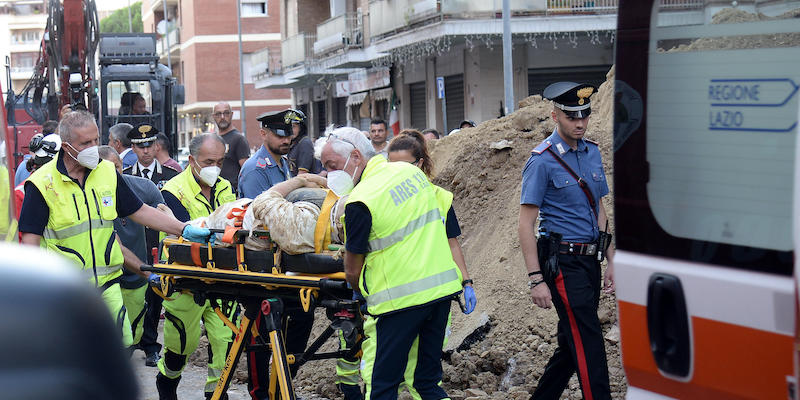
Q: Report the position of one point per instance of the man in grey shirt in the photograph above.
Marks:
(138, 300)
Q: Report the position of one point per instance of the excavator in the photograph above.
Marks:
(102, 73)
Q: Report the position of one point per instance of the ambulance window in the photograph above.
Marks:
(721, 123)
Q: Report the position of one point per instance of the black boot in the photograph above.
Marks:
(167, 388)
(350, 392)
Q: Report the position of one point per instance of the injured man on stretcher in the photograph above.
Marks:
(301, 215)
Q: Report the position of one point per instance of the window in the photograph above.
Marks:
(26, 37)
(254, 8)
(708, 175)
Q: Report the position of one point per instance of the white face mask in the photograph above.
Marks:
(209, 175)
(88, 157)
(340, 182)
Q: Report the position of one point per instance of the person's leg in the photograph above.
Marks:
(428, 372)
(258, 363)
(149, 341)
(558, 370)
(393, 335)
(181, 335)
(298, 330)
(408, 376)
(219, 340)
(134, 304)
(112, 296)
(575, 294)
(347, 372)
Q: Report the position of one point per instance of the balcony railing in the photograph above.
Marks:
(343, 31)
(263, 64)
(297, 49)
(22, 70)
(174, 37)
(681, 4)
(582, 6)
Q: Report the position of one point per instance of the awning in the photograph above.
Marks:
(356, 99)
(382, 94)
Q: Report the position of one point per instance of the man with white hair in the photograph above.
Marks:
(118, 139)
(398, 257)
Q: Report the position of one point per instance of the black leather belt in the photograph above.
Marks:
(578, 249)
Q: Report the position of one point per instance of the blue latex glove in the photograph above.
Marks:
(469, 299)
(154, 280)
(198, 235)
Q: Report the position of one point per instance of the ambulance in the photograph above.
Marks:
(707, 197)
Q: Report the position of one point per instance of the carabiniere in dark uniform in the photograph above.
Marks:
(562, 184)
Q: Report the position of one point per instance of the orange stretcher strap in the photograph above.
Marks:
(322, 232)
(195, 251)
(230, 231)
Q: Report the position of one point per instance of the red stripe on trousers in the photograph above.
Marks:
(583, 371)
(253, 365)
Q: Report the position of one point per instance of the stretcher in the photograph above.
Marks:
(263, 282)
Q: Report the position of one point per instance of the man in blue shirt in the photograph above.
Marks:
(563, 184)
(268, 166)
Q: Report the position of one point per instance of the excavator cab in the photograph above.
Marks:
(134, 87)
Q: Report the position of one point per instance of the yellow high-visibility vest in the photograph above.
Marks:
(409, 262)
(81, 221)
(186, 189)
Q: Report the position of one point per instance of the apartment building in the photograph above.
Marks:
(22, 24)
(346, 60)
(360, 58)
(199, 38)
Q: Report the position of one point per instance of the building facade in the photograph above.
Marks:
(347, 61)
(363, 59)
(22, 25)
(199, 38)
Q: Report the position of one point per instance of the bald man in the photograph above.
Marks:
(237, 150)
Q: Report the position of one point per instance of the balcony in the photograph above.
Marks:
(297, 49)
(174, 39)
(340, 32)
(582, 7)
(263, 64)
(158, 5)
(384, 14)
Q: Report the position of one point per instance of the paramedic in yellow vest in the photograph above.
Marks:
(194, 193)
(397, 256)
(70, 206)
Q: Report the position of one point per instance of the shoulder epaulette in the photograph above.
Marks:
(127, 170)
(167, 166)
(592, 142)
(542, 147)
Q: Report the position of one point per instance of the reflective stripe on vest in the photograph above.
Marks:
(411, 288)
(102, 271)
(74, 230)
(400, 234)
